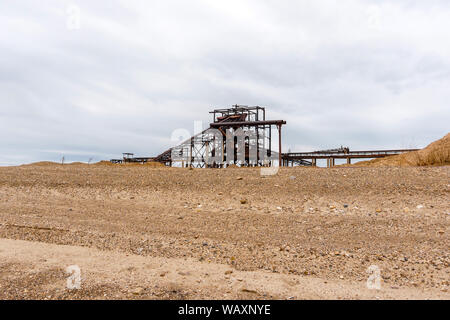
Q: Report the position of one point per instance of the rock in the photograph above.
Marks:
(292, 177)
(243, 201)
(248, 290)
(378, 210)
(229, 272)
(239, 178)
(279, 208)
(345, 205)
(419, 206)
(137, 291)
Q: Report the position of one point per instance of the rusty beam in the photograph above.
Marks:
(247, 123)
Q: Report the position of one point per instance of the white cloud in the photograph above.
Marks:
(358, 73)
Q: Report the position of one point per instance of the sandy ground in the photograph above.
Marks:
(159, 233)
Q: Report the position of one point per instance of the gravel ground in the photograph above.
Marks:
(224, 233)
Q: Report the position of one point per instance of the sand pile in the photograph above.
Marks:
(43, 163)
(147, 164)
(100, 163)
(435, 154)
(51, 163)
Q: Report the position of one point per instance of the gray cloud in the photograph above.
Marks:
(367, 74)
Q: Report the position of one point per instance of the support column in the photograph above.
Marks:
(279, 145)
(223, 151)
(206, 157)
(349, 161)
(190, 153)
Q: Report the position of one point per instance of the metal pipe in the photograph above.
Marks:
(247, 123)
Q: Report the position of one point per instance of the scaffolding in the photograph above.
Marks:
(212, 147)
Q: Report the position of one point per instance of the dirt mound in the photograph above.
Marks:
(104, 163)
(148, 164)
(51, 163)
(435, 154)
(43, 163)
(154, 164)
(100, 163)
(77, 163)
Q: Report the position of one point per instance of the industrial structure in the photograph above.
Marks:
(292, 158)
(212, 147)
(242, 136)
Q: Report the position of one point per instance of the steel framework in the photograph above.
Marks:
(199, 150)
(242, 136)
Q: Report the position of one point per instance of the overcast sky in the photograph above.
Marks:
(96, 78)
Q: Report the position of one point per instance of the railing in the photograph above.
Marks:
(350, 154)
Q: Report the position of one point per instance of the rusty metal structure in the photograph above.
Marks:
(128, 157)
(211, 148)
(198, 150)
(292, 158)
